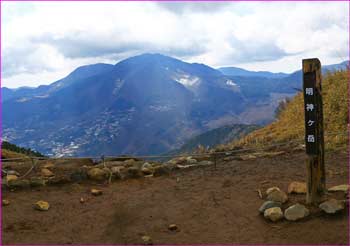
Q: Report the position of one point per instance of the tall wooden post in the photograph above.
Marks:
(314, 138)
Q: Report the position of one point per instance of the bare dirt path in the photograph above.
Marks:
(209, 206)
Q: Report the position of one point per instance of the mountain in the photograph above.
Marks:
(235, 71)
(82, 72)
(147, 104)
(211, 138)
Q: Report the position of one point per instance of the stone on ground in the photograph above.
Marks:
(161, 170)
(332, 206)
(96, 192)
(297, 187)
(296, 212)
(277, 196)
(11, 177)
(37, 182)
(269, 204)
(343, 187)
(41, 206)
(190, 160)
(269, 190)
(5, 202)
(46, 173)
(147, 240)
(134, 172)
(97, 174)
(172, 227)
(273, 214)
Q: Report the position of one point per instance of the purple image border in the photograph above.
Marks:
(348, 132)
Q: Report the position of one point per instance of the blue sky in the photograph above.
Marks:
(44, 41)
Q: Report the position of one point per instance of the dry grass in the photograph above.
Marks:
(290, 124)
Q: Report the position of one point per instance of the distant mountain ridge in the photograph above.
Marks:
(147, 104)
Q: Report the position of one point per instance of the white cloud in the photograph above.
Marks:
(44, 41)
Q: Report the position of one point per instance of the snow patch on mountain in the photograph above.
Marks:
(187, 80)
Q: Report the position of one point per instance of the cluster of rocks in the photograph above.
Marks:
(50, 173)
(272, 209)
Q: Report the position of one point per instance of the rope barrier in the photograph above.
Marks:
(300, 141)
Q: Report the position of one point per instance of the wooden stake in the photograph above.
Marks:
(314, 137)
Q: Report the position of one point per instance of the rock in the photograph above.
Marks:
(134, 172)
(274, 188)
(269, 204)
(11, 177)
(129, 162)
(190, 160)
(161, 170)
(58, 180)
(296, 212)
(82, 200)
(277, 196)
(147, 169)
(332, 206)
(5, 202)
(97, 174)
(297, 187)
(343, 187)
(96, 192)
(49, 165)
(46, 173)
(37, 182)
(42, 206)
(274, 214)
(19, 184)
(147, 240)
(79, 175)
(247, 157)
(117, 172)
(205, 163)
(12, 172)
(172, 227)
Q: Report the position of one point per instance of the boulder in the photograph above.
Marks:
(46, 173)
(205, 163)
(49, 165)
(161, 170)
(296, 212)
(11, 177)
(269, 190)
(190, 160)
(96, 192)
(332, 206)
(58, 180)
(297, 187)
(273, 214)
(343, 188)
(269, 204)
(79, 175)
(19, 183)
(41, 206)
(247, 157)
(147, 169)
(12, 172)
(277, 196)
(97, 174)
(37, 182)
(134, 172)
(118, 172)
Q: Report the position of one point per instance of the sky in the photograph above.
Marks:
(42, 42)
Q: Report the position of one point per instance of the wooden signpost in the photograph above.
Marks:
(314, 139)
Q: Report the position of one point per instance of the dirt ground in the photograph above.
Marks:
(208, 206)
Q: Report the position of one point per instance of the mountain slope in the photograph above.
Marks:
(144, 104)
(290, 124)
(215, 137)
